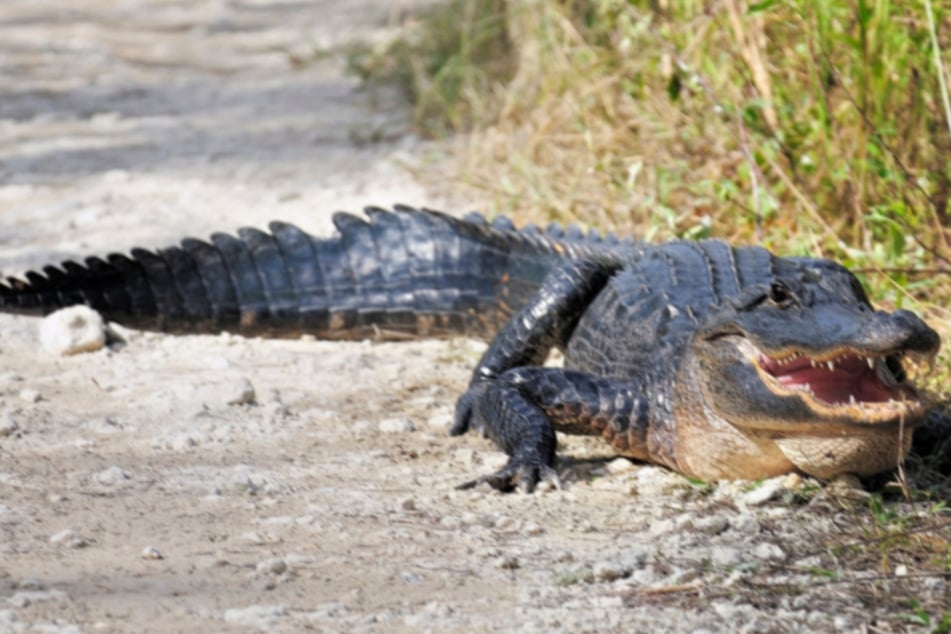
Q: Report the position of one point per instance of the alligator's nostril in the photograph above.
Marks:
(905, 329)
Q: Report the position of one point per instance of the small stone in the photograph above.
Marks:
(69, 538)
(769, 552)
(152, 553)
(766, 491)
(611, 570)
(396, 425)
(619, 465)
(30, 396)
(242, 393)
(711, 525)
(275, 566)
(507, 562)
(73, 330)
(8, 426)
(408, 504)
(111, 476)
(725, 556)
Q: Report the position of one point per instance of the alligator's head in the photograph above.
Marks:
(805, 361)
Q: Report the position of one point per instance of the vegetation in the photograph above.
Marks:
(814, 127)
(810, 126)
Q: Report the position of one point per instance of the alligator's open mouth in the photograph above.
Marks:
(845, 383)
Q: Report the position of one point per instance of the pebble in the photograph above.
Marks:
(611, 570)
(241, 393)
(152, 553)
(8, 426)
(766, 551)
(73, 330)
(274, 566)
(111, 476)
(712, 525)
(725, 556)
(619, 465)
(69, 538)
(766, 491)
(396, 425)
(28, 395)
(507, 562)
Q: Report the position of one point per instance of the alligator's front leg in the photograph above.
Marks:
(507, 397)
(522, 408)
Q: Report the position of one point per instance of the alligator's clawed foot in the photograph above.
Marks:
(524, 476)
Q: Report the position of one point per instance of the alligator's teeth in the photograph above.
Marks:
(831, 365)
(814, 362)
(851, 399)
(871, 363)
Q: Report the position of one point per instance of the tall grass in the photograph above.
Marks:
(810, 126)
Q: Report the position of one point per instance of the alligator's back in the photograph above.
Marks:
(403, 273)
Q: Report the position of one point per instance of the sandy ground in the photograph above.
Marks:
(142, 488)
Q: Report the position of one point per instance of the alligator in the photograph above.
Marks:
(717, 361)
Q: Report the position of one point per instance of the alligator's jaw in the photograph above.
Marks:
(841, 384)
(768, 413)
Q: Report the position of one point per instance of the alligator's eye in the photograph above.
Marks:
(780, 295)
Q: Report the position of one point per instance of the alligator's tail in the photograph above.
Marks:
(405, 273)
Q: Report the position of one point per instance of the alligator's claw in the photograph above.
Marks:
(523, 475)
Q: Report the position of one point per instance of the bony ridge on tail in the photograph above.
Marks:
(718, 361)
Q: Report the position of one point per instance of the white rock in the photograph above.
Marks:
(73, 330)
(768, 552)
(242, 393)
(28, 395)
(725, 556)
(620, 465)
(396, 425)
(611, 569)
(766, 491)
(112, 475)
(8, 426)
(70, 538)
(275, 566)
(153, 553)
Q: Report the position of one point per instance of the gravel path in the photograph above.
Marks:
(219, 483)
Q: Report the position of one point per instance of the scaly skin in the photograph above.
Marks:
(717, 361)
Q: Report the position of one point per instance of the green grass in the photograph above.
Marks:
(809, 126)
